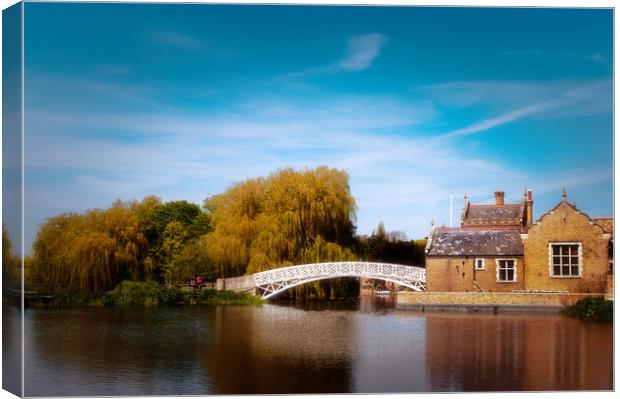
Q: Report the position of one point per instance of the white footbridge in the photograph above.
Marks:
(275, 281)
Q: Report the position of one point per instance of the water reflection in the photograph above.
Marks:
(277, 350)
(530, 352)
(364, 346)
(115, 351)
(11, 349)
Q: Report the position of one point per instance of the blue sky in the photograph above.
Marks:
(414, 103)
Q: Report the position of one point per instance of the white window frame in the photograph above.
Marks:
(580, 257)
(476, 264)
(514, 280)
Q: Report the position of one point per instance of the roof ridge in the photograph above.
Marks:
(494, 205)
(486, 228)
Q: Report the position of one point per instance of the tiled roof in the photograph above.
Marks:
(493, 215)
(475, 242)
(606, 223)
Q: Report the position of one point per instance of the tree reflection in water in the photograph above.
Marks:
(359, 346)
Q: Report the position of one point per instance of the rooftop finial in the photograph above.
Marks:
(432, 222)
(564, 194)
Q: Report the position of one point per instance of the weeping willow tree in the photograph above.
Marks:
(290, 217)
(90, 252)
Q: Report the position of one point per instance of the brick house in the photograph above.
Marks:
(566, 250)
(498, 248)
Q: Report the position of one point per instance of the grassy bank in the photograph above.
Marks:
(130, 293)
(595, 309)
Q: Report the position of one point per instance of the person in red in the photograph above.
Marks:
(198, 281)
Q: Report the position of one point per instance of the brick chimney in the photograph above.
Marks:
(529, 203)
(499, 198)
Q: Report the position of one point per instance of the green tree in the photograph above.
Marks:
(168, 227)
(391, 247)
(174, 238)
(191, 261)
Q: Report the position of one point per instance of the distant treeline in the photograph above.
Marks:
(290, 217)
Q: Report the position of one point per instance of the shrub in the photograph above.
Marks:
(134, 293)
(593, 308)
(152, 294)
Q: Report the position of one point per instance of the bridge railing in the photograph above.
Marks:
(335, 269)
(272, 282)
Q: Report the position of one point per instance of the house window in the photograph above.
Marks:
(506, 270)
(479, 262)
(565, 259)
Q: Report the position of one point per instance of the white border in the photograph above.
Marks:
(484, 3)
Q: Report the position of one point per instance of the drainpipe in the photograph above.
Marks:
(475, 284)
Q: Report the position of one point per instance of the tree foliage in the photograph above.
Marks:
(10, 262)
(192, 260)
(264, 223)
(391, 247)
(89, 252)
(135, 240)
(168, 228)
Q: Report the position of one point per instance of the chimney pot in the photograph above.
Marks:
(499, 198)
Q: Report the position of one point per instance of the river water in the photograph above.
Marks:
(360, 346)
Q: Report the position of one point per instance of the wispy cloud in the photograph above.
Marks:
(497, 120)
(360, 52)
(113, 69)
(181, 40)
(596, 58)
(522, 52)
(515, 99)
(509, 101)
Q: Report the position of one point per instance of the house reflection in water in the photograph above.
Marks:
(516, 352)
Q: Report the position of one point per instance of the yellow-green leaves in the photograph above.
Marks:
(91, 251)
(286, 218)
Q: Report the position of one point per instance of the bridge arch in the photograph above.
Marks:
(275, 281)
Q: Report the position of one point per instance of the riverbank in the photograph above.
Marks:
(130, 293)
(489, 301)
